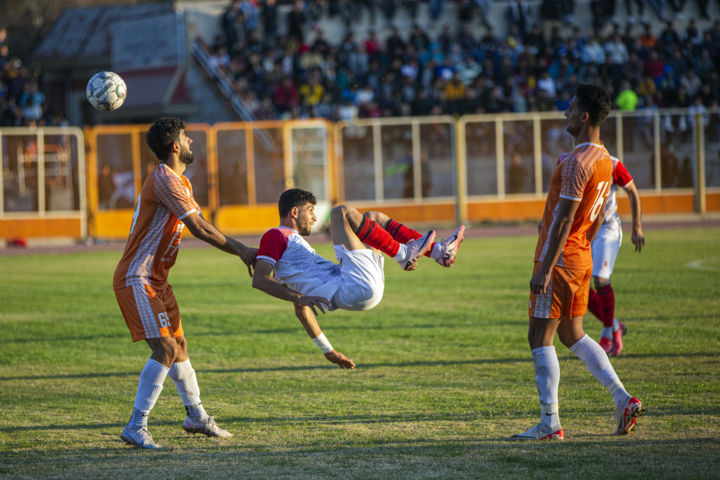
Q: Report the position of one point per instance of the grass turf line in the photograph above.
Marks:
(444, 372)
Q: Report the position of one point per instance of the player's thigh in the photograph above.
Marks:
(344, 221)
(605, 248)
(173, 311)
(555, 302)
(579, 286)
(144, 312)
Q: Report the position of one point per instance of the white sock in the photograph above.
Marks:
(547, 379)
(616, 325)
(402, 253)
(436, 251)
(149, 388)
(186, 383)
(596, 361)
(607, 333)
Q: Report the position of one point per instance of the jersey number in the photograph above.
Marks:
(602, 186)
(135, 215)
(164, 322)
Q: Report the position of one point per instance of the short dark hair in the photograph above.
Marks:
(162, 135)
(593, 100)
(294, 197)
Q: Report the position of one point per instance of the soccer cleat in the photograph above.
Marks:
(416, 249)
(540, 432)
(606, 344)
(449, 248)
(139, 438)
(207, 427)
(626, 417)
(617, 343)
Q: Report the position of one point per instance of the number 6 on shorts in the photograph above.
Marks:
(164, 321)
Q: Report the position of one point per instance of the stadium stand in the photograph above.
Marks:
(535, 67)
(21, 101)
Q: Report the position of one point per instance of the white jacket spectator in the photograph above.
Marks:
(691, 82)
(593, 53)
(616, 51)
(547, 84)
(468, 70)
(365, 96)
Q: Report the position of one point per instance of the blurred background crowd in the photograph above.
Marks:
(643, 64)
(21, 101)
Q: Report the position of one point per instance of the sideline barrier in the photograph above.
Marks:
(42, 182)
(420, 169)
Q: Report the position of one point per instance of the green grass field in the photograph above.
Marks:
(444, 374)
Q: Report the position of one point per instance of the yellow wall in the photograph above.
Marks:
(41, 228)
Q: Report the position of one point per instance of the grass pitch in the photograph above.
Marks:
(444, 373)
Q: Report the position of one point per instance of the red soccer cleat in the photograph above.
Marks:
(626, 417)
(606, 344)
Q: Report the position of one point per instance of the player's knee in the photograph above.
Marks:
(374, 216)
(340, 212)
(169, 353)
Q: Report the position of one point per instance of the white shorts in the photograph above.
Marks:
(363, 281)
(605, 248)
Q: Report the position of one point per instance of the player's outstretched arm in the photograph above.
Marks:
(558, 235)
(638, 239)
(308, 320)
(263, 281)
(205, 231)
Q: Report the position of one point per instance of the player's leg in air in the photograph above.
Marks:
(155, 317)
(601, 301)
(379, 232)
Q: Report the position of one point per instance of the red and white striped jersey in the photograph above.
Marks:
(164, 201)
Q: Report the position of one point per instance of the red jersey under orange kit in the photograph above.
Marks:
(140, 281)
(584, 176)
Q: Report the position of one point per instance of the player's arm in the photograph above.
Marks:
(205, 231)
(308, 320)
(595, 227)
(638, 239)
(558, 236)
(263, 281)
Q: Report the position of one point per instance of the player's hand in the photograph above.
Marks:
(339, 359)
(638, 239)
(539, 282)
(313, 302)
(248, 257)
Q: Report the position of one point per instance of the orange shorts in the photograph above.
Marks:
(567, 294)
(149, 313)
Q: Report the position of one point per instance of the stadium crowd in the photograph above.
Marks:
(458, 72)
(21, 101)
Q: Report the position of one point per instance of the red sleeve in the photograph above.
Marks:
(621, 176)
(272, 246)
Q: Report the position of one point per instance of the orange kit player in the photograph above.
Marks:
(164, 207)
(563, 267)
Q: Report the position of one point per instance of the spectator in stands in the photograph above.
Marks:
(296, 22)
(517, 174)
(269, 15)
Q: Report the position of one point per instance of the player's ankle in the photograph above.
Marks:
(616, 325)
(402, 254)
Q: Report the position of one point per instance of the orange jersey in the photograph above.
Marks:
(584, 176)
(166, 198)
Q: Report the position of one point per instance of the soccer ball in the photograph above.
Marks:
(106, 91)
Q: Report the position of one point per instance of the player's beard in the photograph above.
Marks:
(186, 156)
(304, 229)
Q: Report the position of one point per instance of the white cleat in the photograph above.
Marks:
(626, 418)
(207, 427)
(540, 432)
(416, 249)
(447, 249)
(139, 438)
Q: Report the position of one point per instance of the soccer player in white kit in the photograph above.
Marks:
(288, 268)
(605, 249)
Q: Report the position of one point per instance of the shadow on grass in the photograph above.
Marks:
(365, 366)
